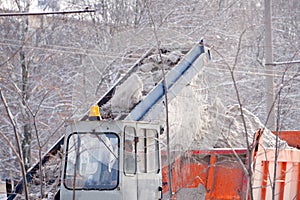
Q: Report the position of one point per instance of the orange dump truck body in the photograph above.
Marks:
(218, 170)
(291, 137)
(222, 172)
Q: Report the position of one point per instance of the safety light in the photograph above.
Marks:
(94, 113)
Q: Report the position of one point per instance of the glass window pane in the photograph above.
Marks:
(129, 151)
(152, 149)
(95, 156)
(147, 151)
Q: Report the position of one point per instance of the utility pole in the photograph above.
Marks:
(269, 68)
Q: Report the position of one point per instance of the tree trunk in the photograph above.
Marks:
(26, 139)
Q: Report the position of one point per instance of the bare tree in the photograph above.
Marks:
(68, 57)
(19, 154)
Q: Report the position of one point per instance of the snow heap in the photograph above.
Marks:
(233, 131)
(198, 119)
(199, 123)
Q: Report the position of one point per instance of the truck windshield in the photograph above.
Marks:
(92, 161)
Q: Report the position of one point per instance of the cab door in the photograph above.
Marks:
(141, 162)
(148, 162)
(129, 164)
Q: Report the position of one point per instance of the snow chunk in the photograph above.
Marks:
(127, 95)
(174, 57)
(170, 58)
(148, 67)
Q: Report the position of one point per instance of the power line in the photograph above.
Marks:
(71, 50)
(87, 10)
(97, 53)
(284, 62)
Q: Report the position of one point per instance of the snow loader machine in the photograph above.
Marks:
(121, 159)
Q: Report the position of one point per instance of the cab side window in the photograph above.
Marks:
(129, 164)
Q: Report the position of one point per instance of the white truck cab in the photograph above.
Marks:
(111, 160)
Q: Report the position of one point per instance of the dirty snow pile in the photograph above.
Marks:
(198, 119)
